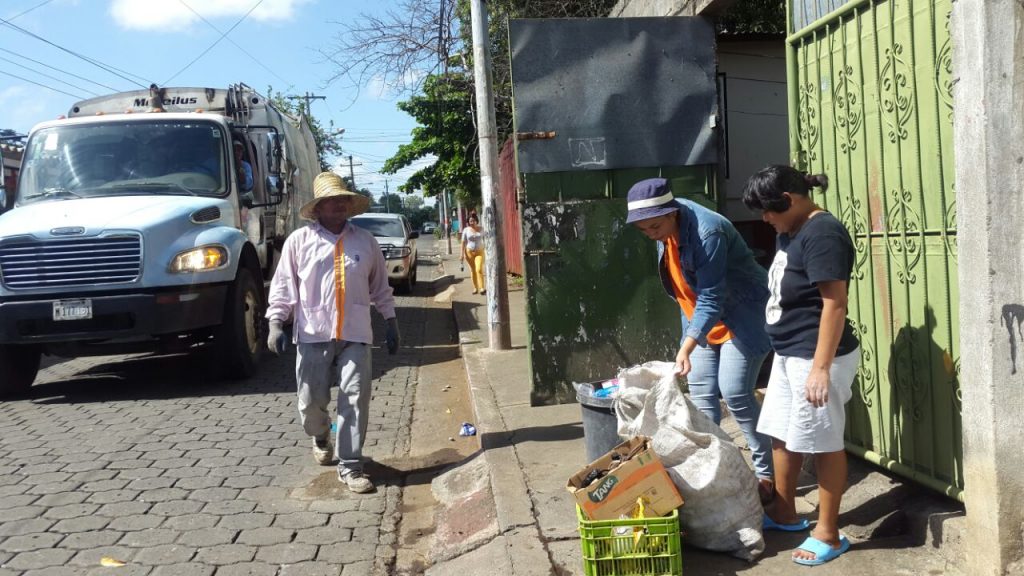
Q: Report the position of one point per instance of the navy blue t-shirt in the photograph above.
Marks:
(821, 251)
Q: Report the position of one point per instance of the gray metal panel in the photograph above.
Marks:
(617, 92)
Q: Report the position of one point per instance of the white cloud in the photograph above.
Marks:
(376, 89)
(172, 15)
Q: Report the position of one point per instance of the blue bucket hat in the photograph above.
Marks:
(649, 199)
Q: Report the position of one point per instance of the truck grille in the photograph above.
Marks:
(31, 263)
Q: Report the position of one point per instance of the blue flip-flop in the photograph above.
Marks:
(822, 551)
(768, 524)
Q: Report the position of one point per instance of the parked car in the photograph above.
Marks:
(429, 227)
(397, 240)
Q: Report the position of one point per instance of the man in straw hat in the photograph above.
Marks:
(329, 274)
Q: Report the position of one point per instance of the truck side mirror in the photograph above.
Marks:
(274, 153)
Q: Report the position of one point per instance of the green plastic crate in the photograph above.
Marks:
(611, 552)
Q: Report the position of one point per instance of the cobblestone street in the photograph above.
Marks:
(146, 461)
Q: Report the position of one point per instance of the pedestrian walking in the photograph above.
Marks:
(473, 252)
(816, 352)
(707, 268)
(329, 275)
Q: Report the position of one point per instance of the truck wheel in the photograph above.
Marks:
(18, 368)
(239, 339)
(405, 286)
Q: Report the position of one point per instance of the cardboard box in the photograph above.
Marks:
(615, 493)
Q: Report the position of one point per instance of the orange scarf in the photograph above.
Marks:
(339, 283)
(719, 333)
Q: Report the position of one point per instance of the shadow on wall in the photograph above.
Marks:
(924, 399)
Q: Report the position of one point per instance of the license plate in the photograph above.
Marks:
(72, 310)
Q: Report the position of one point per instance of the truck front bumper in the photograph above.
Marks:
(114, 316)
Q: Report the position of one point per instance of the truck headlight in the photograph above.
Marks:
(392, 252)
(200, 259)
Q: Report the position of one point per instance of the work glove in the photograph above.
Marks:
(277, 340)
(392, 337)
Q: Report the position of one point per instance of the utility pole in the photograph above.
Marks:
(308, 98)
(494, 254)
(351, 172)
(446, 225)
(387, 205)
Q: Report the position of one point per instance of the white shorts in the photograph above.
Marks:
(788, 416)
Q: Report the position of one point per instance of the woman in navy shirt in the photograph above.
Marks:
(816, 352)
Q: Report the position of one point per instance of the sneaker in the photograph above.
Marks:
(322, 452)
(356, 482)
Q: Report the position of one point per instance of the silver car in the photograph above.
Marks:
(397, 240)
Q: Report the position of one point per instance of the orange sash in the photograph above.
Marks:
(339, 284)
(719, 333)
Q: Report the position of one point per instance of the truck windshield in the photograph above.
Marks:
(381, 227)
(122, 158)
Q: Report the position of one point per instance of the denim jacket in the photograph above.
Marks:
(720, 268)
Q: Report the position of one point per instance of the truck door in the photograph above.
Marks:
(262, 212)
(599, 104)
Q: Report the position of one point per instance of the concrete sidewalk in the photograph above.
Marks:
(523, 519)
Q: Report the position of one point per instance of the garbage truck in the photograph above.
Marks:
(148, 221)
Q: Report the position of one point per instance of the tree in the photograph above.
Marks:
(446, 131)
(754, 17)
(400, 48)
(412, 203)
(328, 140)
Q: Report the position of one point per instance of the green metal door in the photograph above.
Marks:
(600, 104)
(870, 95)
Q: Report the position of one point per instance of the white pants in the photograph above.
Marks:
(319, 366)
(788, 416)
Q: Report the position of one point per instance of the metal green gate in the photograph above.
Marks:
(870, 96)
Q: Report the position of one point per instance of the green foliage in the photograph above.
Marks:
(754, 17)
(328, 141)
(446, 131)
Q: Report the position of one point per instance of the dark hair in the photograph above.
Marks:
(764, 190)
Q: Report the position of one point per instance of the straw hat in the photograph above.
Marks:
(326, 185)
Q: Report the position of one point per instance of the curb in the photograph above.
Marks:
(518, 542)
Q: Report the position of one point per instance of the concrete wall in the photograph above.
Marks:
(632, 8)
(988, 66)
(755, 121)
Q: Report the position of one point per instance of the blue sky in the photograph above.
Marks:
(277, 45)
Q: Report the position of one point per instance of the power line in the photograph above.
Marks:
(43, 85)
(244, 51)
(215, 42)
(307, 97)
(23, 12)
(48, 76)
(105, 67)
(11, 52)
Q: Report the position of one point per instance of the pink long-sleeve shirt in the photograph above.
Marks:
(304, 287)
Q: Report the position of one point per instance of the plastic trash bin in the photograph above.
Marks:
(599, 422)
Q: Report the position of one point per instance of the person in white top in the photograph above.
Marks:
(473, 252)
(329, 275)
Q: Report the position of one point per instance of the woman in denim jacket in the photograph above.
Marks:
(707, 268)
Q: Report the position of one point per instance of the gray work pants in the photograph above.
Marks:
(318, 367)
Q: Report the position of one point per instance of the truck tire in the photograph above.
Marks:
(411, 281)
(18, 368)
(238, 342)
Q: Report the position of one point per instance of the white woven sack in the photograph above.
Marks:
(722, 511)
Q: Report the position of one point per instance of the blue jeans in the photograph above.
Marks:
(724, 370)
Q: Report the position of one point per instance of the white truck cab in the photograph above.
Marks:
(135, 228)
